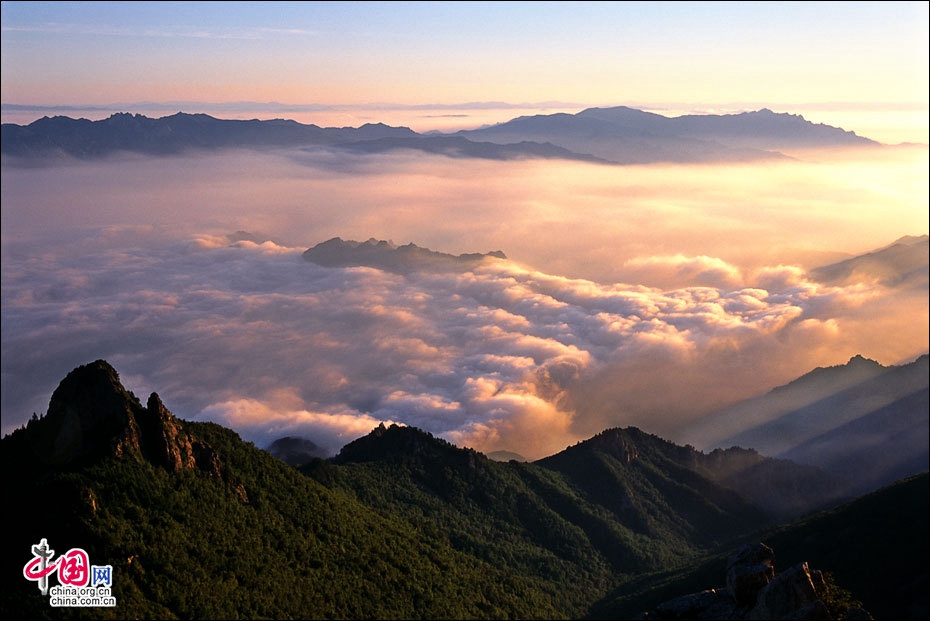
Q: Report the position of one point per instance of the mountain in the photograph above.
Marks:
(783, 489)
(765, 129)
(905, 263)
(384, 255)
(618, 135)
(861, 421)
(888, 444)
(66, 137)
(627, 136)
(196, 523)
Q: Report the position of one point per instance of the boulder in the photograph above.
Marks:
(790, 591)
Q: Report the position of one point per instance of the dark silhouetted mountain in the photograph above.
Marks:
(400, 444)
(625, 517)
(905, 263)
(783, 489)
(91, 417)
(627, 136)
(607, 135)
(296, 451)
(386, 256)
(64, 136)
(764, 129)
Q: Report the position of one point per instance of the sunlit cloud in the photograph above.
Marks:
(253, 336)
(679, 270)
(263, 422)
(574, 333)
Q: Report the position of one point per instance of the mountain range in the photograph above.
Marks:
(618, 135)
(196, 523)
(862, 422)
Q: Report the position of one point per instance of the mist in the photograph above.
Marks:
(642, 295)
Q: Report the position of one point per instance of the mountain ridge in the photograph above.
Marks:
(901, 263)
(861, 421)
(625, 135)
(618, 135)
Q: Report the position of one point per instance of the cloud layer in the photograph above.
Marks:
(528, 355)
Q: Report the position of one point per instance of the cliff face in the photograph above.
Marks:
(92, 416)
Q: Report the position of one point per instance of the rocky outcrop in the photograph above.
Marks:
(164, 442)
(790, 592)
(91, 416)
(749, 569)
(754, 592)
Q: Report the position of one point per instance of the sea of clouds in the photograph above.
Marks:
(641, 296)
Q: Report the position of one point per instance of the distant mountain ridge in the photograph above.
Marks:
(617, 135)
(81, 138)
(902, 263)
(625, 135)
(863, 422)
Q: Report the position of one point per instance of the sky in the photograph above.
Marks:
(631, 295)
(863, 58)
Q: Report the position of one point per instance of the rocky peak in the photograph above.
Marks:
(412, 446)
(617, 442)
(91, 416)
